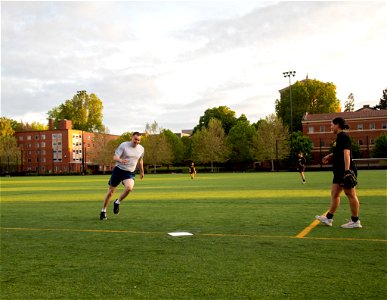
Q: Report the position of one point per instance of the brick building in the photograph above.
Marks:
(57, 150)
(366, 125)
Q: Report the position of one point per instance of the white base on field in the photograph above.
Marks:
(180, 233)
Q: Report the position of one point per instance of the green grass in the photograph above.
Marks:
(53, 245)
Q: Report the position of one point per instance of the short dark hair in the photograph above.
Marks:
(136, 133)
(341, 122)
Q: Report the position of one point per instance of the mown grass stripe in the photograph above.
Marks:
(196, 234)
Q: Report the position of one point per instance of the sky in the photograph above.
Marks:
(169, 61)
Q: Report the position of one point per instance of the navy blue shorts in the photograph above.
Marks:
(119, 175)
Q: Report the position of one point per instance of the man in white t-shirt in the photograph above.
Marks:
(127, 156)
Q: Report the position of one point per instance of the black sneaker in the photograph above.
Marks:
(116, 208)
(103, 215)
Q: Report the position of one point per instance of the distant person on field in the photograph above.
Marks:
(344, 176)
(301, 166)
(128, 156)
(192, 171)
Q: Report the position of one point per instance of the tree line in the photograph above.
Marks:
(220, 137)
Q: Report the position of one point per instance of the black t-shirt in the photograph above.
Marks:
(342, 142)
(301, 162)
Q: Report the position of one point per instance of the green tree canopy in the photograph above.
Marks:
(301, 143)
(175, 144)
(239, 141)
(157, 149)
(270, 141)
(85, 112)
(222, 113)
(308, 95)
(209, 144)
(380, 147)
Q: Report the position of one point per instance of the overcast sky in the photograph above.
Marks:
(169, 61)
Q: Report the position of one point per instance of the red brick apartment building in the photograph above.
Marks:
(57, 150)
(366, 125)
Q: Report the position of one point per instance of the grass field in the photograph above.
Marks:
(248, 239)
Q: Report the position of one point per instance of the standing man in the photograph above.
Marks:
(301, 166)
(127, 156)
(344, 176)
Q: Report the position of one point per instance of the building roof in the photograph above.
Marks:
(362, 113)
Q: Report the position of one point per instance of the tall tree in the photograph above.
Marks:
(103, 150)
(349, 105)
(175, 144)
(157, 149)
(271, 140)
(222, 113)
(85, 112)
(383, 101)
(239, 140)
(209, 144)
(308, 95)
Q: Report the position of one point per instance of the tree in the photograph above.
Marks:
(270, 141)
(308, 95)
(187, 149)
(157, 149)
(301, 143)
(209, 144)
(349, 105)
(9, 154)
(380, 148)
(239, 141)
(222, 113)
(175, 144)
(85, 112)
(103, 150)
(383, 101)
(6, 127)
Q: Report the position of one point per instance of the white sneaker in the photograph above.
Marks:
(352, 224)
(325, 220)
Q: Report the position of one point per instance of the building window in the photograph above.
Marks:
(359, 126)
(20, 138)
(322, 128)
(372, 141)
(360, 142)
(311, 129)
(28, 137)
(322, 143)
(43, 144)
(372, 126)
(36, 137)
(384, 125)
(43, 136)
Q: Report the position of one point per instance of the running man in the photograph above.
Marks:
(128, 156)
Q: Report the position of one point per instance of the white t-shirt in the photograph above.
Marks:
(133, 154)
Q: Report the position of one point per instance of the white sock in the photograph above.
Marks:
(103, 210)
(117, 201)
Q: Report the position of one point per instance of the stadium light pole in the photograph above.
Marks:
(290, 74)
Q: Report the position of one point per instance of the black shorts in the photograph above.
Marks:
(119, 175)
(338, 177)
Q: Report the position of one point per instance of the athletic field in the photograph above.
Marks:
(254, 237)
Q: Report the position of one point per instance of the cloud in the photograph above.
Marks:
(170, 61)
